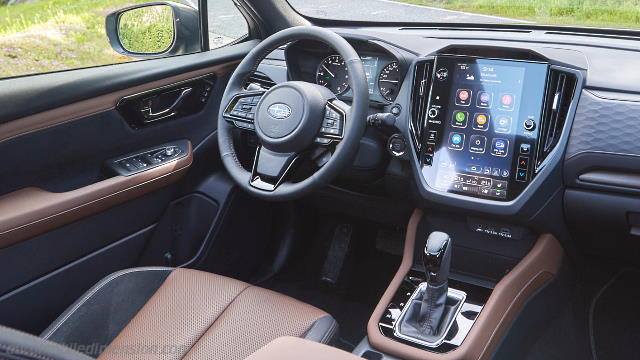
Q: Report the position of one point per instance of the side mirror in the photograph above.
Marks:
(154, 30)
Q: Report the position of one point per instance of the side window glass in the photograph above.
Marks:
(40, 36)
(226, 23)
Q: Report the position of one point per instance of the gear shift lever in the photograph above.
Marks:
(437, 258)
(437, 262)
(426, 312)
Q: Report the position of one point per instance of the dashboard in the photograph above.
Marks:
(482, 127)
(580, 91)
(523, 127)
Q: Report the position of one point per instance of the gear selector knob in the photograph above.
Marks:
(437, 258)
(431, 311)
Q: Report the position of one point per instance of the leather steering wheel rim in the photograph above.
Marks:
(354, 124)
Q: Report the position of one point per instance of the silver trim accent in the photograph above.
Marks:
(461, 296)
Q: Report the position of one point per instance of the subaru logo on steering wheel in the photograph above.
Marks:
(279, 111)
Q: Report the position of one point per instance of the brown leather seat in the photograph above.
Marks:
(162, 313)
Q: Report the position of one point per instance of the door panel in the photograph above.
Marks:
(66, 217)
(32, 211)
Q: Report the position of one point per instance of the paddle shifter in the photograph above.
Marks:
(429, 313)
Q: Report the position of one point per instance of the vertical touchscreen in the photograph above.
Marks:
(481, 108)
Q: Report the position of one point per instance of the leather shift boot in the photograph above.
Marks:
(427, 315)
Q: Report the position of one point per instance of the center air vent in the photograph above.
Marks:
(261, 80)
(560, 93)
(419, 100)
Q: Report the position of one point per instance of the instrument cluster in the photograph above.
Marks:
(383, 76)
(323, 66)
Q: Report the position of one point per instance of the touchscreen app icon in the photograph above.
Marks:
(460, 119)
(481, 121)
(484, 99)
(503, 124)
(507, 101)
(463, 97)
(499, 147)
(477, 144)
(456, 141)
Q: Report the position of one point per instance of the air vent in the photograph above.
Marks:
(419, 99)
(261, 80)
(560, 92)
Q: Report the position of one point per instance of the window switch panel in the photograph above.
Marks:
(146, 159)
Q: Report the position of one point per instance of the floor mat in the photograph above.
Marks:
(365, 273)
(615, 325)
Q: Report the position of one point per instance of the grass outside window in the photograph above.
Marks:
(595, 13)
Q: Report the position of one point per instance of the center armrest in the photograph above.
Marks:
(292, 348)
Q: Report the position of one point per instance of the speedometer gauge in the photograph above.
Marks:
(332, 74)
(389, 81)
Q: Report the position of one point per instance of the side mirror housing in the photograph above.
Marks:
(154, 30)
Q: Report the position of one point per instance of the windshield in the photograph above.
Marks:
(584, 13)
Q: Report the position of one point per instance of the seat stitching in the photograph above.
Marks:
(98, 287)
(215, 320)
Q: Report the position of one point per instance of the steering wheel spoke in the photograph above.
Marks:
(241, 109)
(271, 168)
(334, 122)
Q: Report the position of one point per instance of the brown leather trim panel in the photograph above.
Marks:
(291, 348)
(196, 315)
(509, 296)
(95, 105)
(32, 211)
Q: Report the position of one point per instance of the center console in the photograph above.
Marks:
(429, 313)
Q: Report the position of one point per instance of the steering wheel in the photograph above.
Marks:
(291, 119)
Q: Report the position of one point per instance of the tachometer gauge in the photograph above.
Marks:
(332, 74)
(389, 81)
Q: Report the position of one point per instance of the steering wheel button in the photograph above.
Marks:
(323, 141)
(240, 114)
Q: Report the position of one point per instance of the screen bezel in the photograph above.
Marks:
(535, 86)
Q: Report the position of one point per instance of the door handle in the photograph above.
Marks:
(150, 115)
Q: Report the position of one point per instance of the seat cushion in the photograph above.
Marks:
(183, 314)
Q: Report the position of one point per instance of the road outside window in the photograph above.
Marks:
(39, 36)
(583, 13)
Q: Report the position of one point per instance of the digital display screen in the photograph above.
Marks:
(480, 108)
(370, 64)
